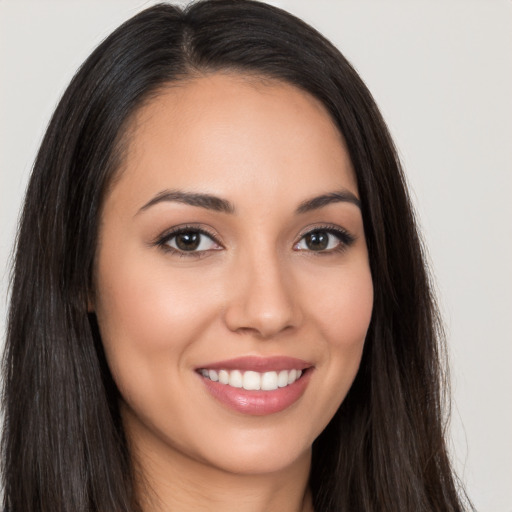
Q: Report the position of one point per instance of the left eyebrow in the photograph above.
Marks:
(340, 196)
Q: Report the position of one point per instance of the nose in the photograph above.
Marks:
(262, 298)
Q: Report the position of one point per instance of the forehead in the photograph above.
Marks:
(223, 133)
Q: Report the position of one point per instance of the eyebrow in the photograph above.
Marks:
(207, 201)
(211, 202)
(340, 196)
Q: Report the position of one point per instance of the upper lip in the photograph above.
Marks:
(258, 364)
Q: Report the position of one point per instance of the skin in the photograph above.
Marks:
(258, 289)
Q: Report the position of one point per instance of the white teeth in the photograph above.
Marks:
(253, 381)
(269, 381)
(223, 377)
(282, 378)
(235, 379)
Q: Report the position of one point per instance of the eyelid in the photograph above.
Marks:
(345, 237)
(163, 239)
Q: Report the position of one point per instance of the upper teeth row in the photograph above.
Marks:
(250, 380)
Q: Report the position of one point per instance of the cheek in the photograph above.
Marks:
(343, 309)
(147, 312)
(353, 312)
(342, 314)
(149, 318)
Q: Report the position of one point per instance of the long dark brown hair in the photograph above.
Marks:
(64, 449)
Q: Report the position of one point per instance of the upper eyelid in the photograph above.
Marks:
(176, 230)
(325, 227)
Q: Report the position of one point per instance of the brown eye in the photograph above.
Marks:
(325, 240)
(317, 240)
(190, 241)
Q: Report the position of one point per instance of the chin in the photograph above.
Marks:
(262, 451)
(259, 461)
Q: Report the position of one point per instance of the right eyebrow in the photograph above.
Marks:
(339, 196)
(208, 201)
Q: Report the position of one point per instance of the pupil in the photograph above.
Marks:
(188, 241)
(317, 241)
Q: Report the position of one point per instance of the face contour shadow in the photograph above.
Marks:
(232, 243)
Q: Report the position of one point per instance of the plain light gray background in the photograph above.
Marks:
(441, 71)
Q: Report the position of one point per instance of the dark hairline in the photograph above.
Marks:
(192, 73)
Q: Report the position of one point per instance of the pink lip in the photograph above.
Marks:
(259, 364)
(259, 403)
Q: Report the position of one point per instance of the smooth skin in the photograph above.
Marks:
(256, 284)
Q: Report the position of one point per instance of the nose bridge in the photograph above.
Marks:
(262, 298)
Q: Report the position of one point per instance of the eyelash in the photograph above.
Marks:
(344, 237)
(164, 239)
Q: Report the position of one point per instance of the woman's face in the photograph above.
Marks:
(232, 253)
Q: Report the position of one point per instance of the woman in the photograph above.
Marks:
(220, 299)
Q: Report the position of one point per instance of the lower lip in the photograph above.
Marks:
(258, 403)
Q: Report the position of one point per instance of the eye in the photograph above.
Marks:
(188, 240)
(324, 240)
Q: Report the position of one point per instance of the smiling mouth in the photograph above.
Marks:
(256, 385)
(251, 380)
